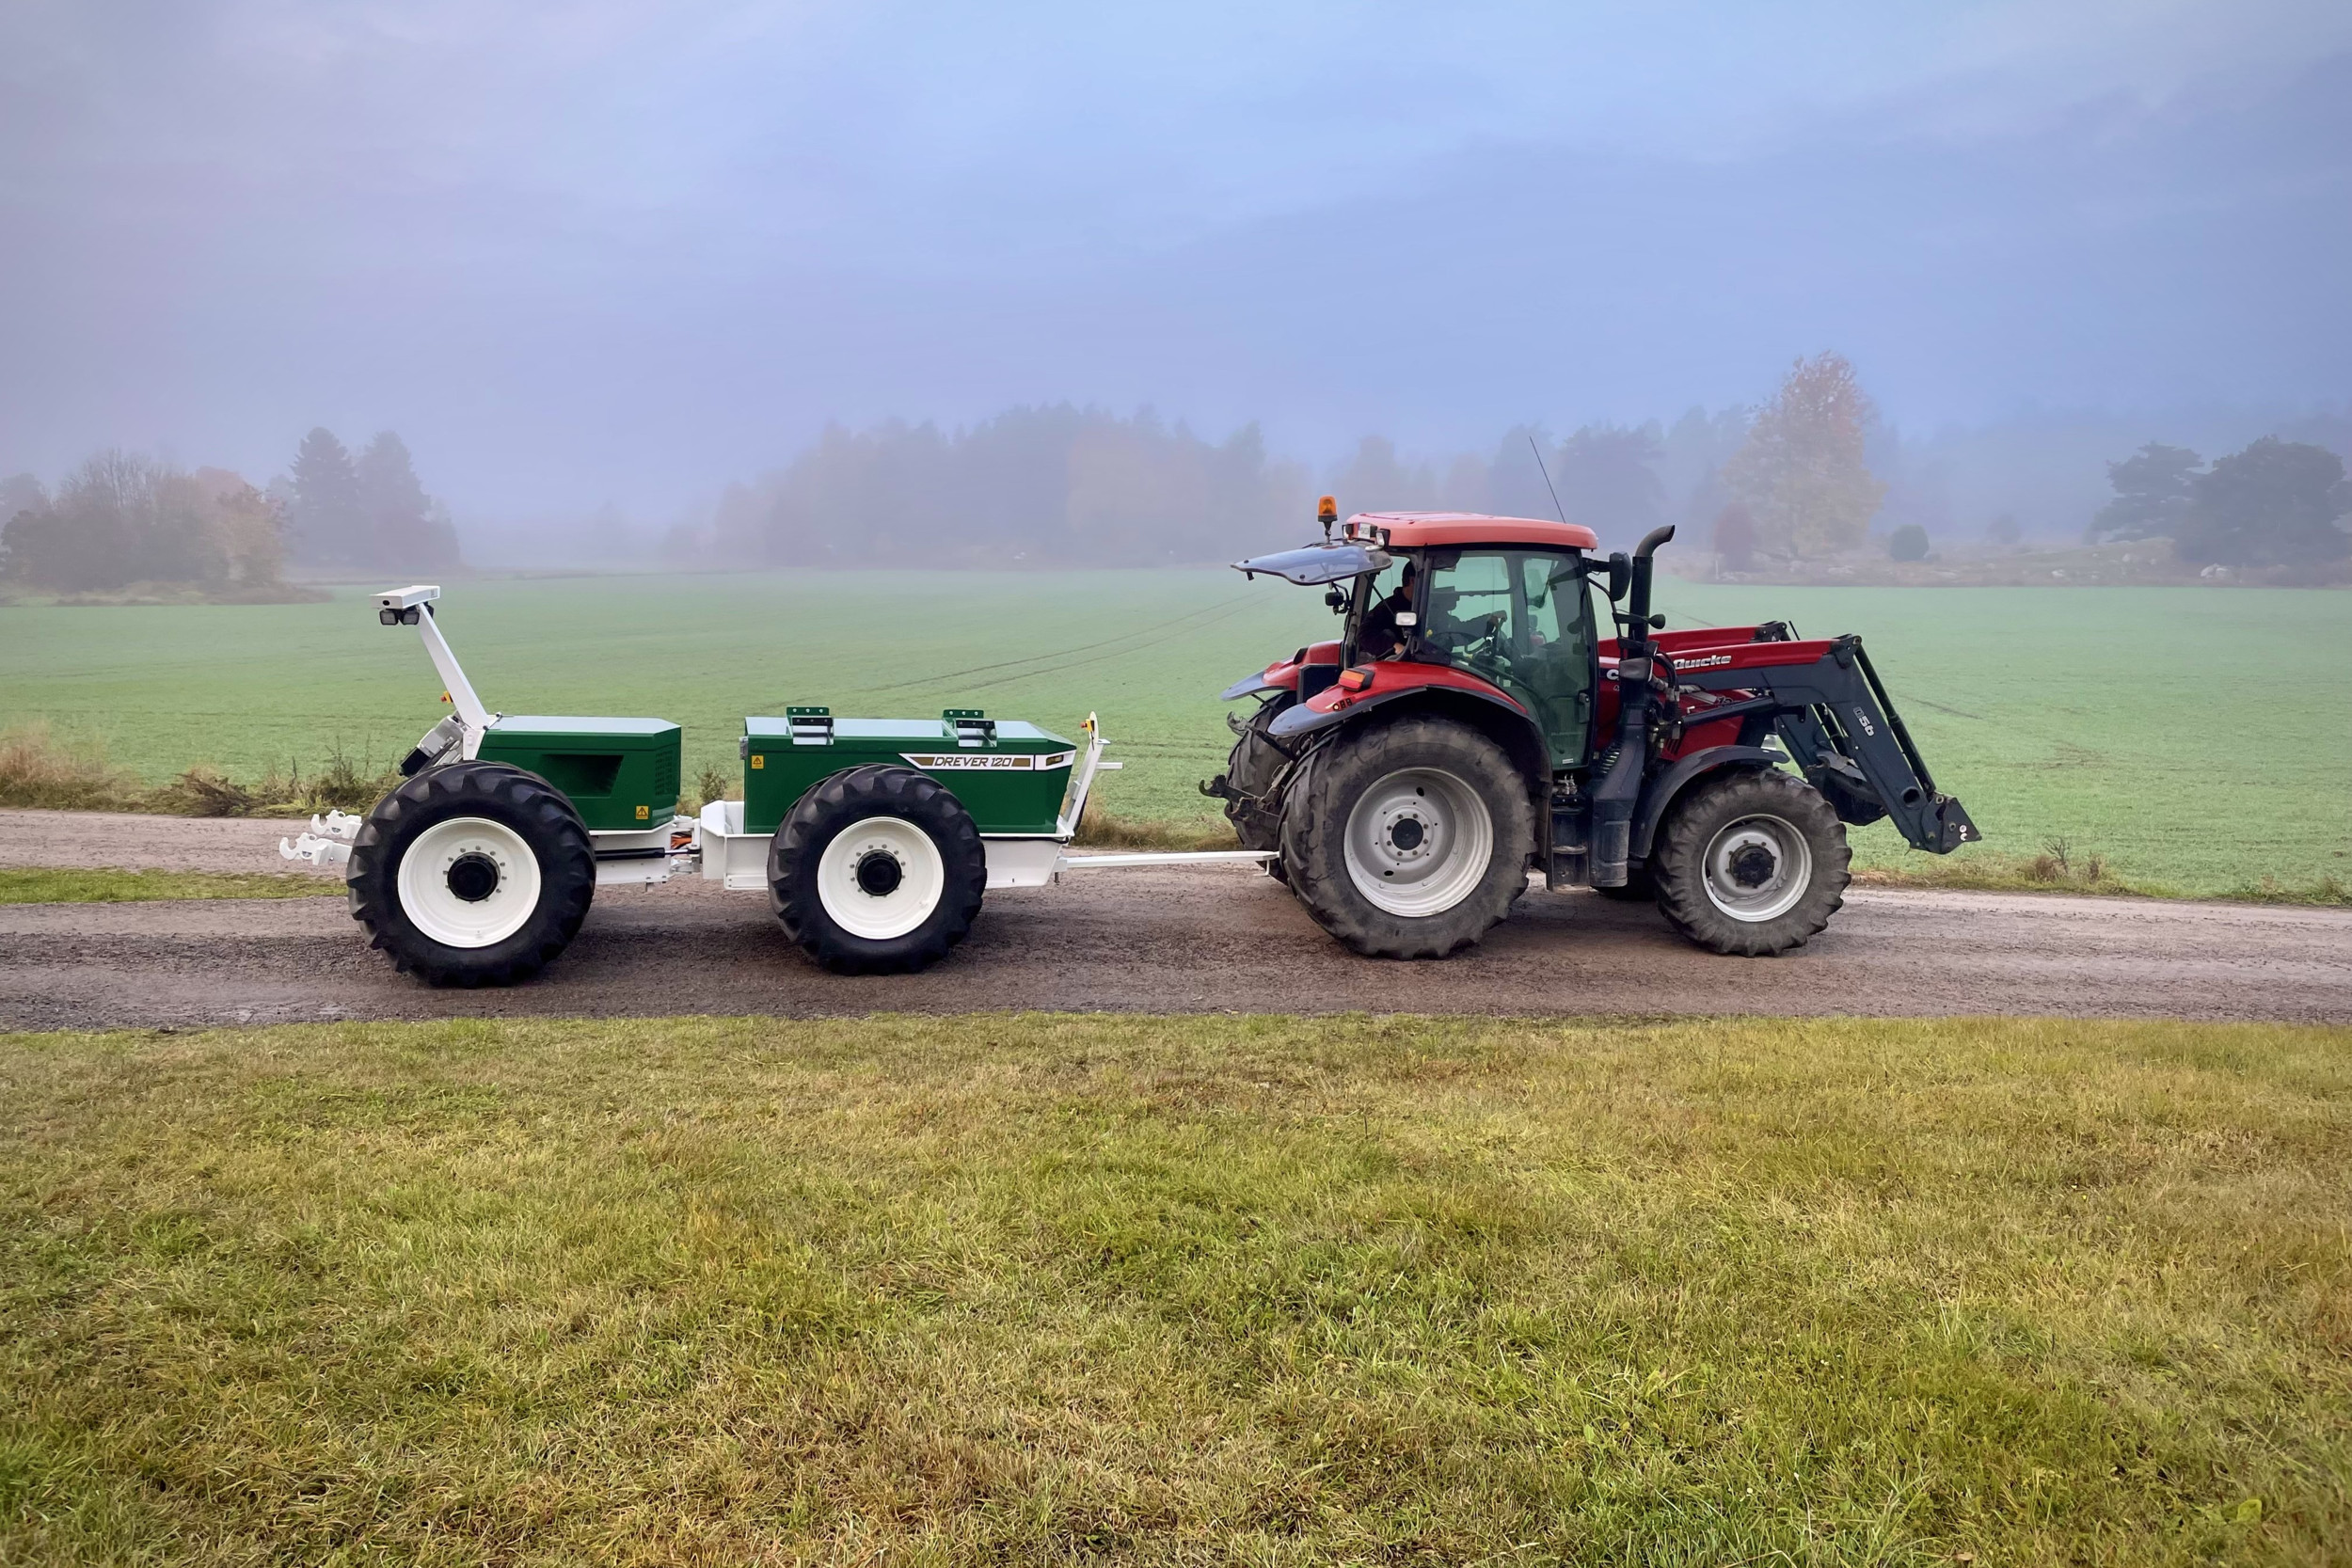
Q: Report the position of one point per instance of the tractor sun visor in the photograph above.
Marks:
(1316, 565)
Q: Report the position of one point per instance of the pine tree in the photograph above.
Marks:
(1608, 480)
(2152, 494)
(325, 526)
(2277, 504)
(407, 530)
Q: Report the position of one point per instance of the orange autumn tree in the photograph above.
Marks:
(1802, 472)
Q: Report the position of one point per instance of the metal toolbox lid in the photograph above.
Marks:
(1010, 734)
(618, 732)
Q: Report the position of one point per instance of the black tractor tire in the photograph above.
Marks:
(1252, 767)
(912, 850)
(1374, 768)
(1781, 866)
(433, 861)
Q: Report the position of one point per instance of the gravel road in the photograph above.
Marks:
(1175, 940)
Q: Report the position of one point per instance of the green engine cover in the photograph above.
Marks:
(1010, 776)
(620, 775)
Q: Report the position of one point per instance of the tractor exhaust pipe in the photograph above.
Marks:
(1619, 790)
(1637, 594)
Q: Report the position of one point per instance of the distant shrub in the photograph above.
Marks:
(1908, 542)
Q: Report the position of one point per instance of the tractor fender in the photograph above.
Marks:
(1475, 704)
(1331, 708)
(1285, 674)
(1688, 770)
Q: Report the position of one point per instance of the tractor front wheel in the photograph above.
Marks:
(474, 874)
(1410, 839)
(1750, 862)
(877, 870)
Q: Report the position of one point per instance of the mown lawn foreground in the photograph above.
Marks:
(996, 1288)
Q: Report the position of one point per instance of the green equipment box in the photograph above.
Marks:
(1010, 776)
(622, 774)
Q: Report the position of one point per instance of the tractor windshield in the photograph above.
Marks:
(1522, 620)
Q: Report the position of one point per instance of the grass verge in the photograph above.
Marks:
(39, 769)
(1102, 829)
(995, 1288)
(2060, 869)
(105, 885)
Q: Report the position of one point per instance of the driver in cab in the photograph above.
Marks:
(1380, 636)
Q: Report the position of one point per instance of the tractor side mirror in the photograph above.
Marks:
(1620, 575)
(1337, 600)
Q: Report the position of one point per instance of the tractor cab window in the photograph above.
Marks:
(1521, 619)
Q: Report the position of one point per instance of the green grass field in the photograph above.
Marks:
(2199, 738)
(1063, 1288)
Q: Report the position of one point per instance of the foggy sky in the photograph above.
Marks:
(589, 252)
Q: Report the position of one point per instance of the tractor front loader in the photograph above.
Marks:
(1472, 723)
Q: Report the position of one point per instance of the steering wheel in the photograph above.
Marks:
(1489, 646)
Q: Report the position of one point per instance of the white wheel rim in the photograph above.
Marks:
(1757, 867)
(451, 862)
(921, 876)
(1419, 842)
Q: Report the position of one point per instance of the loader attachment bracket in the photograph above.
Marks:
(1842, 731)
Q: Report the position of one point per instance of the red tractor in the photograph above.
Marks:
(1470, 722)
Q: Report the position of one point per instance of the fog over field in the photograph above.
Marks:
(713, 279)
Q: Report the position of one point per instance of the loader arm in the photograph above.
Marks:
(1832, 712)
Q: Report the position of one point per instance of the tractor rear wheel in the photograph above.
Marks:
(1409, 839)
(877, 870)
(1751, 863)
(474, 874)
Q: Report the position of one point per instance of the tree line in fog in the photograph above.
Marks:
(1086, 488)
(1809, 474)
(122, 521)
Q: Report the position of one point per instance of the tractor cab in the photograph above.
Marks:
(1429, 597)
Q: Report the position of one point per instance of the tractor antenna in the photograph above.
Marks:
(1546, 473)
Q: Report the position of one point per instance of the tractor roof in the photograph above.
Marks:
(1411, 531)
